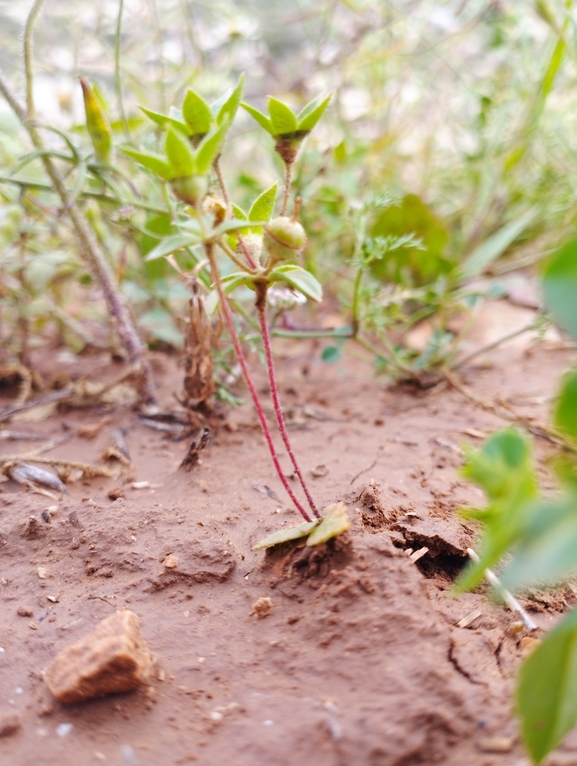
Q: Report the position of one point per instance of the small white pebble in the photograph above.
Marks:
(19, 690)
(2, 650)
(268, 722)
(216, 715)
(201, 659)
(64, 729)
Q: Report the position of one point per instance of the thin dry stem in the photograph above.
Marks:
(287, 187)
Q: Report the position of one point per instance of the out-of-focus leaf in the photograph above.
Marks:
(503, 468)
(152, 162)
(560, 287)
(96, 123)
(335, 521)
(282, 118)
(566, 406)
(410, 265)
(263, 207)
(180, 154)
(161, 326)
(298, 278)
(227, 107)
(163, 121)
(172, 244)
(547, 551)
(311, 114)
(262, 119)
(546, 697)
(331, 354)
(493, 247)
(196, 113)
(210, 147)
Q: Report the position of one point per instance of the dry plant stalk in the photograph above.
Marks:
(199, 386)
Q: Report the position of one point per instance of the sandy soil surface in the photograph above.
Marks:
(366, 657)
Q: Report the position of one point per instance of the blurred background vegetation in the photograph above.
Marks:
(445, 162)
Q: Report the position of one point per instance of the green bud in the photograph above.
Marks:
(284, 237)
(190, 189)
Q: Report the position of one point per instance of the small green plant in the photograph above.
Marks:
(539, 532)
(261, 247)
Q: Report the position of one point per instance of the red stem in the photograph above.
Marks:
(276, 402)
(248, 380)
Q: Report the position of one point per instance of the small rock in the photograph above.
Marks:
(496, 745)
(116, 492)
(262, 607)
(10, 723)
(22, 611)
(527, 644)
(113, 658)
(171, 561)
(42, 573)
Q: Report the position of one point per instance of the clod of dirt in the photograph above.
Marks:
(112, 658)
(10, 723)
(116, 492)
(262, 607)
(196, 561)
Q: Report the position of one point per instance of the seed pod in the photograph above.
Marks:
(283, 238)
(190, 189)
(96, 123)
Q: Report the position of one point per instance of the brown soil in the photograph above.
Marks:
(361, 660)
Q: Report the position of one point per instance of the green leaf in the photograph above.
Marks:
(311, 114)
(172, 244)
(96, 123)
(503, 468)
(299, 279)
(546, 691)
(163, 121)
(262, 119)
(335, 521)
(282, 118)
(263, 207)
(227, 107)
(331, 354)
(239, 213)
(196, 113)
(233, 225)
(152, 162)
(161, 326)
(566, 406)
(180, 154)
(560, 287)
(286, 535)
(493, 247)
(209, 147)
(547, 552)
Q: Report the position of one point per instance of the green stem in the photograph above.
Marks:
(28, 63)
(117, 78)
(288, 177)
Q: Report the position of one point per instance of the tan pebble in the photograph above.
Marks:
(515, 627)
(42, 573)
(171, 561)
(496, 745)
(10, 723)
(161, 675)
(262, 607)
(527, 644)
(33, 626)
(112, 658)
(22, 611)
(116, 492)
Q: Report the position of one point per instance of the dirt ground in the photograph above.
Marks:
(366, 659)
